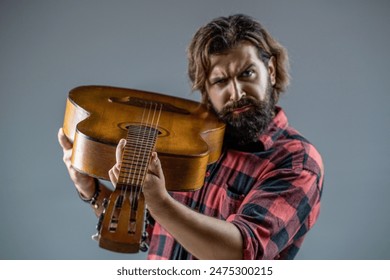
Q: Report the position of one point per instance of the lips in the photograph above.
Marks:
(242, 109)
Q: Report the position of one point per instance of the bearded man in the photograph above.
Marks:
(262, 196)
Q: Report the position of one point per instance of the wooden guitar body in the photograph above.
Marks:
(96, 118)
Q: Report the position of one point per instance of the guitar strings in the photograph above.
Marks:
(140, 142)
(141, 159)
(151, 141)
(145, 136)
(139, 130)
(129, 151)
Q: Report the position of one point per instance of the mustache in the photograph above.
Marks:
(233, 105)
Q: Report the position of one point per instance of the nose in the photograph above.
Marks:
(236, 91)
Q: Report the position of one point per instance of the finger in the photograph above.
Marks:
(119, 150)
(113, 177)
(67, 158)
(114, 172)
(63, 140)
(155, 166)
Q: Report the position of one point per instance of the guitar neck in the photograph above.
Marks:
(140, 143)
(124, 219)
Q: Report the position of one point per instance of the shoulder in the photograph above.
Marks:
(288, 148)
(293, 150)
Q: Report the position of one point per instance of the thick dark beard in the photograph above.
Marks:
(246, 127)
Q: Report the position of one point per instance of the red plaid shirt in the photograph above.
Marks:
(271, 192)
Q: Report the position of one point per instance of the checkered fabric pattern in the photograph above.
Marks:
(270, 191)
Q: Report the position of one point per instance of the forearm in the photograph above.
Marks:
(100, 192)
(203, 236)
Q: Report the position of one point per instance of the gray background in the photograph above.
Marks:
(338, 98)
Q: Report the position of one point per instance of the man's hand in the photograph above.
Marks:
(84, 183)
(154, 190)
(154, 185)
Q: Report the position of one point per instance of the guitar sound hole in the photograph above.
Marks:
(162, 132)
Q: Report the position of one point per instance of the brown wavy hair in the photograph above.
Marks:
(224, 33)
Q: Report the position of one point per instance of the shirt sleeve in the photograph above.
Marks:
(278, 211)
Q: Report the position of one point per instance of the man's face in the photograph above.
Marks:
(239, 87)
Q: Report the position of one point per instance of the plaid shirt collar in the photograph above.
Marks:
(277, 125)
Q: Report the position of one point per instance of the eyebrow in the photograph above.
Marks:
(216, 79)
(247, 67)
(220, 76)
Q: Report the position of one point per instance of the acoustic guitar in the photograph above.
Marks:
(186, 136)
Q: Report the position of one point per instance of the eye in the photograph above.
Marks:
(219, 81)
(247, 73)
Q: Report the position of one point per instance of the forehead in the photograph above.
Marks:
(241, 56)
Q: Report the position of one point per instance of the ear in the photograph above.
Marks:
(272, 70)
